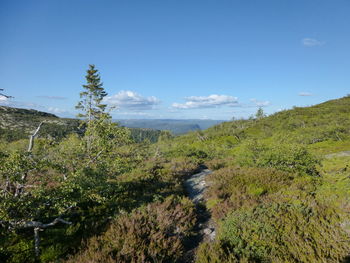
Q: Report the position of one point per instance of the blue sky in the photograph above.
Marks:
(175, 58)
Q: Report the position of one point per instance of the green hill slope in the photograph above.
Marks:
(324, 127)
(18, 123)
(274, 195)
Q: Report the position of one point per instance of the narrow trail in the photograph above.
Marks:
(195, 186)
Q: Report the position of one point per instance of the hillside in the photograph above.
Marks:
(18, 123)
(280, 185)
(24, 119)
(277, 190)
(323, 127)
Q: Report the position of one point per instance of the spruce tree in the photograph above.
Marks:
(92, 96)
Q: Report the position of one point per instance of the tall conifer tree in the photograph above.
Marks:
(91, 99)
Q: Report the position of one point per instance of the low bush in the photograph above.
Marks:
(283, 232)
(217, 164)
(285, 157)
(183, 166)
(155, 233)
(239, 186)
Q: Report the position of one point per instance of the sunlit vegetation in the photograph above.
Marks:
(93, 191)
(60, 193)
(154, 233)
(280, 187)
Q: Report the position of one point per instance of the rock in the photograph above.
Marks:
(210, 233)
(196, 185)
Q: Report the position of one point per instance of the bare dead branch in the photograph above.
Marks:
(156, 154)
(3, 95)
(31, 138)
(95, 158)
(37, 226)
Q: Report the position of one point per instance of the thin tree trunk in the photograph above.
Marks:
(31, 138)
(37, 241)
(37, 227)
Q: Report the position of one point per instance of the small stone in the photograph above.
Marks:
(208, 231)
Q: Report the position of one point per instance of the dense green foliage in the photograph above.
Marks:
(88, 180)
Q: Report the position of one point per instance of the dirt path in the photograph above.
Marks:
(195, 187)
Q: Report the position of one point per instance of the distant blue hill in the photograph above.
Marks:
(175, 126)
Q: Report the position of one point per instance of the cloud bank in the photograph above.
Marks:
(211, 101)
(130, 100)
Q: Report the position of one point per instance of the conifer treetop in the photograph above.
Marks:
(91, 98)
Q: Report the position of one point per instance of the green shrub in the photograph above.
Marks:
(214, 253)
(216, 164)
(183, 166)
(239, 186)
(283, 232)
(153, 234)
(285, 157)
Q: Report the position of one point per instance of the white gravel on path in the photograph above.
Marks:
(195, 187)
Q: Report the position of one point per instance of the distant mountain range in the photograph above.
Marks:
(173, 125)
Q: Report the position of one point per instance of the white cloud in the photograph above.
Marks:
(3, 98)
(195, 102)
(311, 42)
(130, 100)
(260, 103)
(304, 94)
